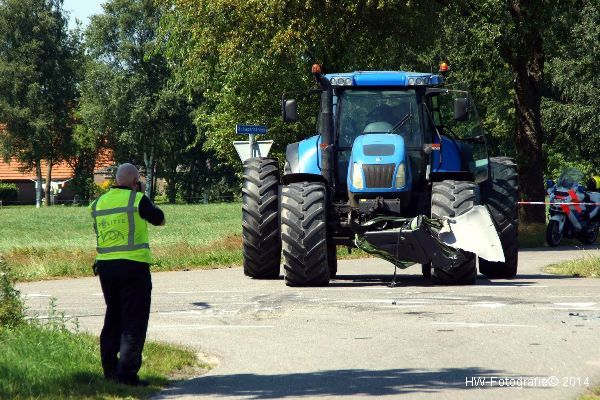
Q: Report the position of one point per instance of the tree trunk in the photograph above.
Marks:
(39, 182)
(155, 182)
(171, 188)
(48, 183)
(528, 73)
(149, 163)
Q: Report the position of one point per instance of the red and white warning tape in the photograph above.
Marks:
(558, 204)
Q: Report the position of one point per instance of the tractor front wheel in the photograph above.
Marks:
(451, 199)
(500, 195)
(304, 234)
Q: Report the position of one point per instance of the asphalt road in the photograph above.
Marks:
(360, 338)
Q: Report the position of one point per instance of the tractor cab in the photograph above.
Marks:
(392, 134)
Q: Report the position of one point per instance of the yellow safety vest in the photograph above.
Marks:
(120, 231)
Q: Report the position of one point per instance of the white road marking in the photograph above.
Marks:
(481, 324)
(48, 317)
(205, 291)
(582, 305)
(447, 298)
(514, 286)
(386, 301)
(487, 305)
(37, 295)
(97, 294)
(578, 296)
(403, 305)
(210, 326)
(568, 308)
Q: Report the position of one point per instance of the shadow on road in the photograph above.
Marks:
(560, 248)
(420, 281)
(347, 382)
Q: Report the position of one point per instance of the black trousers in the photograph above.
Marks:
(126, 289)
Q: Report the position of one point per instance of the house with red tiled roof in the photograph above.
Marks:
(24, 177)
(18, 173)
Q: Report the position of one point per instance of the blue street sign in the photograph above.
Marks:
(250, 129)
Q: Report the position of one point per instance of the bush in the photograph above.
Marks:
(8, 192)
(12, 310)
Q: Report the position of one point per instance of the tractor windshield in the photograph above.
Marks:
(378, 111)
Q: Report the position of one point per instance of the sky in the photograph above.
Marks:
(82, 10)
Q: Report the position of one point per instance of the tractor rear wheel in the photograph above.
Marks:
(304, 234)
(451, 199)
(260, 218)
(500, 194)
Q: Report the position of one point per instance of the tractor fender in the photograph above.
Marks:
(302, 177)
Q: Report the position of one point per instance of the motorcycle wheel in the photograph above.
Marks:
(588, 237)
(553, 233)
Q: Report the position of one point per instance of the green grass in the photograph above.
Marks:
(588, 267)
(59, 241)
(37, 362)
(591, 394)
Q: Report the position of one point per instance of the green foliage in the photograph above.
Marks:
(37, 362)
(570, 108)
(242, 55)
(8, 191)
(12, 311)
(38, 72)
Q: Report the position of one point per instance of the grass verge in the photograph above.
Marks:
(37, 362)
(591, 394)
(44, 359)
(587, 267)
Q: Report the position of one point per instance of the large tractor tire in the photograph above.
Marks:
(304, 234)
(260, 218)
(451, 199)
(500, 193)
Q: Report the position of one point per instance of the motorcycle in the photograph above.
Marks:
(569, 218)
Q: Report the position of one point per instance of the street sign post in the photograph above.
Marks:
(252, 147)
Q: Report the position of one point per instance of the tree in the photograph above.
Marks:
(37, 83)
(242, 55)
(521, 34)
(570, 105)
(122, 42)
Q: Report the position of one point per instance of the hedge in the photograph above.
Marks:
(8, 192)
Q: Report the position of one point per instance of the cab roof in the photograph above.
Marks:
(385, 78)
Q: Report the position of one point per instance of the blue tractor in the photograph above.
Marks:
(390, 146)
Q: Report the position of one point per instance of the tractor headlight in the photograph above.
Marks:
(357, 178)
(400, 176)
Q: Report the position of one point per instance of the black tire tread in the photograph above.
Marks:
(304, 234)
(500, 195)
(260, 218)
(450, 199)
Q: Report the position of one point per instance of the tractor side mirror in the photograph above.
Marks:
(461, 109)
(289, 110)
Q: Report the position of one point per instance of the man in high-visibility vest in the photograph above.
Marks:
(123, 264)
